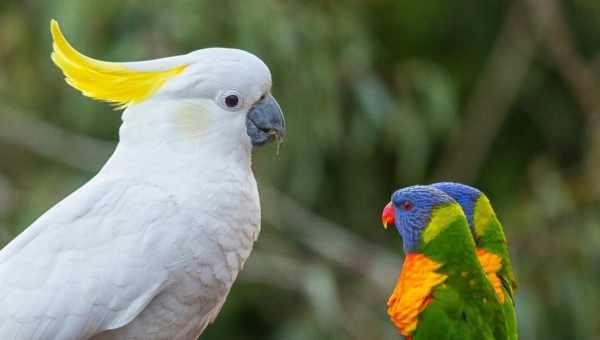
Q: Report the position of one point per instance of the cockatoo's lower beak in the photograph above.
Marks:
(265, 122)
(388, 215)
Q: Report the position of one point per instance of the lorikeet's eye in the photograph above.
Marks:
(406, 205)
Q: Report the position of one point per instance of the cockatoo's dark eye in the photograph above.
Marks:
(406, 205)
(232, 100)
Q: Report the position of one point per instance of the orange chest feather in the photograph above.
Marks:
(413, 291)
(491, 264)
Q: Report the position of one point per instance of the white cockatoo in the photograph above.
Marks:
(150, 247)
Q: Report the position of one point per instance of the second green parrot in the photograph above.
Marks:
(492, 248)
(442, 292)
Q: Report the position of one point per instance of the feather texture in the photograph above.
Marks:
(443, 292)
(126, 259)
(413, 291)
(150, 247)
(106, 81)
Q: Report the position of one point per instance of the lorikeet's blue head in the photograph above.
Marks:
(411, 209)
(465, 195)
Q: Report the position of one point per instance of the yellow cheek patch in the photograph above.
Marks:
(441, 217)
(413, 291)
(191, 120)
(106, 81)
(491, 264)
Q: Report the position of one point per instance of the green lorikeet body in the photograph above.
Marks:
(442, 292)
(492, 248)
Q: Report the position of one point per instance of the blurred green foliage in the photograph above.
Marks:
(378, 94)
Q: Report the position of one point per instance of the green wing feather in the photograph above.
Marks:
(492, 239)
(465, 306)
(449, 318)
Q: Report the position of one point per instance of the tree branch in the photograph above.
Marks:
(579, 76)
(330, 240)
(52, 142)
(486, 110)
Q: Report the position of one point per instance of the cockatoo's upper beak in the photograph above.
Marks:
(265, 122)
(388, 215)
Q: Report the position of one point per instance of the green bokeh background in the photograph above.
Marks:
(378, 94)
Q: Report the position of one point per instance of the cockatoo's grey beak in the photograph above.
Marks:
(265, 122)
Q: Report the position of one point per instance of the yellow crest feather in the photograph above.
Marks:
(106, 81)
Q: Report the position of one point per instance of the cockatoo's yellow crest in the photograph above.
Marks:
(107, 81)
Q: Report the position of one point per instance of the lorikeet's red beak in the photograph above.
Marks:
(387, 216)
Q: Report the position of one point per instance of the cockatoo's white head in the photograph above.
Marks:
(218, 92)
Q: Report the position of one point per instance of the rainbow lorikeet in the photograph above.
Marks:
(492, 248)
(442, 292)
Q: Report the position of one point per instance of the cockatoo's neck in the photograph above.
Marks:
(180, 138)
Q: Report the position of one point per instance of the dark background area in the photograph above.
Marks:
(378, 94)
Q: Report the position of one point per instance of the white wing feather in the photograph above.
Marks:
(71, 274)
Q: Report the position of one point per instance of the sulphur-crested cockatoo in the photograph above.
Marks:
(148, 248)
